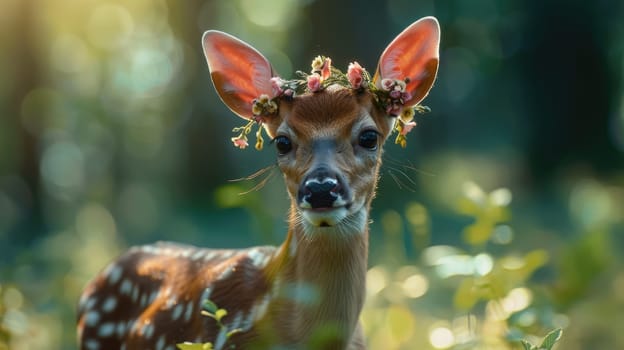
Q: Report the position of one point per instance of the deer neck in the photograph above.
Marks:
(321, 279)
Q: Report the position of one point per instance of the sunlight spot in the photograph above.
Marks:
(95, 221)
(517, 299)
(432, 255)
(416, 214)
(415, 286)
(473, 192)
(110, 26)
(69, 54)
(483, 264)
(441, 338)
(62, 169)
(590, 203)
(376, 280)
(500, 197)
(503, 234)
(270, 13)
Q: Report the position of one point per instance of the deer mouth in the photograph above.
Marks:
(325, 216)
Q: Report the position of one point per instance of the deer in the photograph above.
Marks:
(328, 129)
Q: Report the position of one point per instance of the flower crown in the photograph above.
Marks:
(390, 97)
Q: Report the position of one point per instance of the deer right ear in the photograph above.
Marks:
(239, 72)
(413, 54)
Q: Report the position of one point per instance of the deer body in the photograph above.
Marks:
(306, 293)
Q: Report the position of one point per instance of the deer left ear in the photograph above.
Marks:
(239, 72)
(413, 54)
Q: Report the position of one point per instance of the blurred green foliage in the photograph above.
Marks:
(111, 135)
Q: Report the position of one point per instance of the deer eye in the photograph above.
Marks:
(368, 139)
(283, 145)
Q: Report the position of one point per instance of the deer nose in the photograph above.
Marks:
(320, 189)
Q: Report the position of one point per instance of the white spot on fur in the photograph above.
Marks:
(205, 296)
(189, 311)
(92, 344)
(225, 273)
(126, 287)
(198, 255)
(236, 322)
(209, 256)
(121, 329)
(114, 273)
(148, 330)
(90, 303)
(258, 258)
(84, 301)
(177, 312)
(228, 253)
(106, 330)
(172, 300)
(161, 343)
(109, 304)
(92, 318)
(153, 296)
(135, 294)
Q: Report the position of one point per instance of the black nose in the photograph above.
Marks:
(320, 194)
(320, 189)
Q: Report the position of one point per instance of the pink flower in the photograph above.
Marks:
(394, 109)
(407, 127)
(406, 96)
(326, 69)
(395, 95)
(276, 84)
(289, 92)
(314, 82)
(387, 84)
(354, 74)
(240, 142)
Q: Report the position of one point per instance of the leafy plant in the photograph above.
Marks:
(210, 309)
(547, 344)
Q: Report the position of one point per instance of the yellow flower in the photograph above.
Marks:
(407, 115)
(317, 63)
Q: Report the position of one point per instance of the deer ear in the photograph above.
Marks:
(239, 72)
(413, 54)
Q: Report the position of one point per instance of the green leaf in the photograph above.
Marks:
(526, 345)
(479, 232)
(210, 306)
(466, 295)
(195, 346)
(219, 314)
(233, 331)
(551, 339)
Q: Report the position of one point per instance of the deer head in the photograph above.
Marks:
(328, 138)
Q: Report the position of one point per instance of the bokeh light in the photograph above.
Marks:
(441, 337)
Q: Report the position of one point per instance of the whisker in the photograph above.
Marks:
(407, 165)
(409, 185)
(254, 175)
(396, 180)
(263, 182)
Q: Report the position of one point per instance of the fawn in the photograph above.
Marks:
(328, 128)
